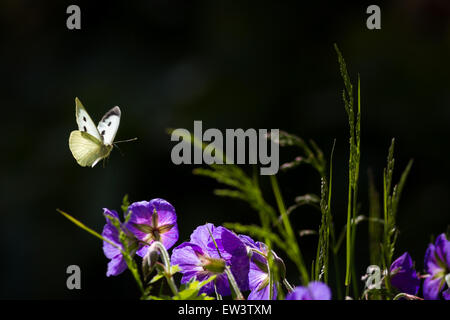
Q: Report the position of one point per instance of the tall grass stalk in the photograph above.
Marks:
(354, 160)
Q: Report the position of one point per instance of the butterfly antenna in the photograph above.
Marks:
(121, 153)
(129, 140)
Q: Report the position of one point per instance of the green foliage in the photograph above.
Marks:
(391, 199)
(375, 229)
(354, 121)
(125, 205)
(326, 226)
(312, 154)
(189, 291)
(162, 273)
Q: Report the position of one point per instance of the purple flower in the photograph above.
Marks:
(437, 264)
(201, 259)
(117, 265)
(314, 291)
(153, 221)
(403, 275)
(258, 276)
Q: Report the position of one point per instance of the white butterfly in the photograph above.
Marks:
(90, 144)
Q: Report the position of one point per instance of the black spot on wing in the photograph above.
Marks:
(84, 128)
(113, 112)
(109, 124)
(84, 119)
(103, 133)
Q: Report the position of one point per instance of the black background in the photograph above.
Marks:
(231, 64)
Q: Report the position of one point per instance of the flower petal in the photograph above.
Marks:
(222, 285)
(239, 261)
(186, 256)
(249, 242)
(111, 233)
(404, 277)
(116, 266)
(442, 246)
(431, 263)
(299, 293)
(256, 276)
(201, 236)
(446, 294)
(141, 212)
(432, 287)
(166, 212)
(112, 213)
(319, 291)
(169, 238)
(315, 291)
(262, 294)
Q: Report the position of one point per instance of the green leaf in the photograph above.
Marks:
(125, 204)
(157, 277)
(190, 291)
(84, 227)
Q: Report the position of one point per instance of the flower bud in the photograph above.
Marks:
(213, 265)
(150, 259)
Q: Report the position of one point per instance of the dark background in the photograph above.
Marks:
(166, 63)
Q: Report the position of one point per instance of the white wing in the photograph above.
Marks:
(84, 121)
(108, 126)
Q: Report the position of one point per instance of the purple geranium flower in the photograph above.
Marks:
(117, 265)
(314, 291)
(437, 264)
(258, 276)
(201, 259)
(403, 275)
(153, 221)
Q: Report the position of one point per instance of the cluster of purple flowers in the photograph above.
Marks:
(209, 252)
(437, 267)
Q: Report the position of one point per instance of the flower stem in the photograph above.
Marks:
(288, 285)
(295, 254)
(406, 296)
(233, 284)
(166, 260)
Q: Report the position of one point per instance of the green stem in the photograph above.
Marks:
(336, 264)
(270, 274)
(348, 235)
(166, 260)
(288, 285)
(234, 284)
(355, 283)
(296, 255)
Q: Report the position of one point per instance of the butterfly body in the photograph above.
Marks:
(90, 144)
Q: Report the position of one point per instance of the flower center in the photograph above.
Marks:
(153, 230)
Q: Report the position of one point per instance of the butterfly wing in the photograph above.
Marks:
(84, 121)
(109, 125)
(86, 149)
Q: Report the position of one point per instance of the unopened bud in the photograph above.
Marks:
(149, 260)
(214, 265)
